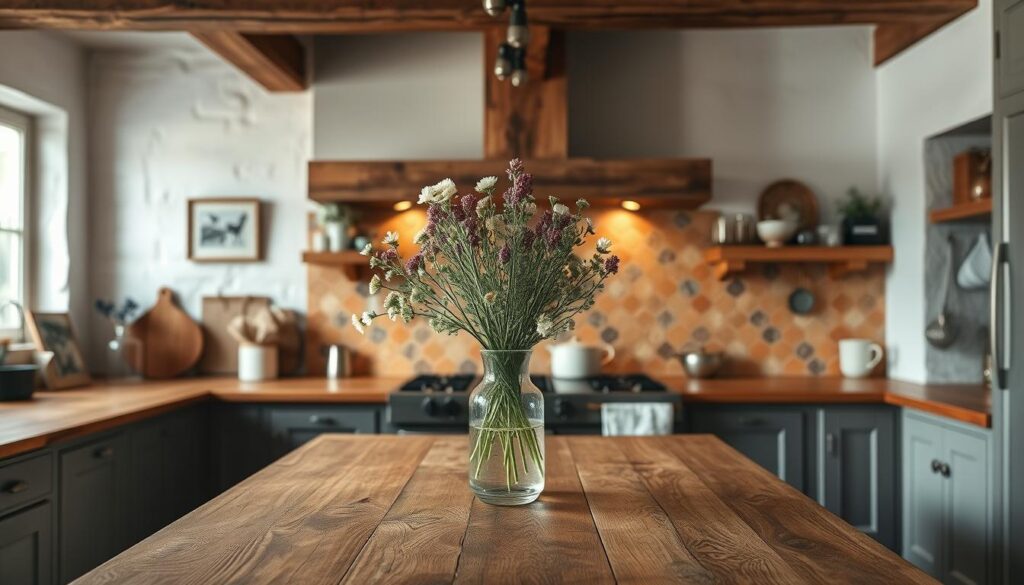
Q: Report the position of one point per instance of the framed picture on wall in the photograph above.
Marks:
(224, 229)
(61, 360)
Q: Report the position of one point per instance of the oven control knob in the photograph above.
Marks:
(563, 409)
(451, 406)
(430, 406)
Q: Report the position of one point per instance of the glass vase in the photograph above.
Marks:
(506, 431)
(124, 356)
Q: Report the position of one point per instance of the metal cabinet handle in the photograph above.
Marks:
(321, 420)
(751, 421)
(936, 466)
(103, 453)
(830, 444)
(16, 487)
(995, 328)
(944, 470)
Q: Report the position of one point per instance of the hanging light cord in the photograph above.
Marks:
(511, 61)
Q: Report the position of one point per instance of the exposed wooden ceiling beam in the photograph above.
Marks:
(312, 16)
(277, 62)
(893, 38)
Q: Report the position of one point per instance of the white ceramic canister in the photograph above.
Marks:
(257, 362)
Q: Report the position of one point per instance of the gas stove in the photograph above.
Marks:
(439, 403)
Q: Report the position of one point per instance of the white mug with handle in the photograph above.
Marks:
(857, 357)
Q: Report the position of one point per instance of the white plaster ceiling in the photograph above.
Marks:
(131, 40)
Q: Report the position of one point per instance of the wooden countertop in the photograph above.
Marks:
(368, 509)
(53, 416)
(970, 403)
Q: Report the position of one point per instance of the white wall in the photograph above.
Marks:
(43, 75)
(940, 83)
(399, 97)
(170, 125)
(762, 104)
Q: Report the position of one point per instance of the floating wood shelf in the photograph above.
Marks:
(729, 260)
(653, 183)
(351, 262)
(978, 209)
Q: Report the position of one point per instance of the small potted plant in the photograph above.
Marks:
(335, 218)
(862, 219)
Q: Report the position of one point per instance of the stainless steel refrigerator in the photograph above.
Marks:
(1007, 322)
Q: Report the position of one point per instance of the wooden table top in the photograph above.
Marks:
(368, 509)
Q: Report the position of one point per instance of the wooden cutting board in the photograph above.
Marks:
(172, 341)
(220, 352)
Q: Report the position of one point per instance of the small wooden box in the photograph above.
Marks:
(971, 171)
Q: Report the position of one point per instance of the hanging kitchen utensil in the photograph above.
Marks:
(802, 300)
(172, 341)
(976, 269)
(941, 332)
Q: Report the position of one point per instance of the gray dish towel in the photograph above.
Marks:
(636, 419)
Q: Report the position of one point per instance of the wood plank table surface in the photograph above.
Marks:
(387, 509)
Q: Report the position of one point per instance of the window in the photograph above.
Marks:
(14, 270)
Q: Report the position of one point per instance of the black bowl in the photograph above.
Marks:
(17, 382)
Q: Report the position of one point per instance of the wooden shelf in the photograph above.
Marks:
(351, 262)
(653, 183)
(729, 260)
(970, 210)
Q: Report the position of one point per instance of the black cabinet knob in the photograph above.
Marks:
(451, 406)
(103, 453)
(936, 466)
(429, 407)
(16, 487)
(944, 470)
(320, 420)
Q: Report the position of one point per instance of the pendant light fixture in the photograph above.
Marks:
(511, 60)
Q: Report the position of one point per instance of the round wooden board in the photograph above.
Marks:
(172, 341)
(793, 193)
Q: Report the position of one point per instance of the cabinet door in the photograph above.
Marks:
(772, 438)
(923, 523)
(1010, 66)
(187, 461)
(26, 547)
(148, 510)
(242, 444)
(292, 427)
(859, 469)
(92, 481)
(968, 507)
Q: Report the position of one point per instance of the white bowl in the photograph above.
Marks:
(775, 232)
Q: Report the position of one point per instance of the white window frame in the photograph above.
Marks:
(23, 124)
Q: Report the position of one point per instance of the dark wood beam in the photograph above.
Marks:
(530, 121)
(892, 39)
(672, 183)
(311, 16)
(277, 62)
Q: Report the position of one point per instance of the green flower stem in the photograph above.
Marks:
(506, 423)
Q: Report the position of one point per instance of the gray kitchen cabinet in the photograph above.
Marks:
(1010, 65)
(169, 468)
(771, 437)
(857, 468)
(26, 546)
(292, 426)
(242, 443)
(947, 498)
(94, 477)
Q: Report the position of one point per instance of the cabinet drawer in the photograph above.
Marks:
(25, 481)
(292, 427)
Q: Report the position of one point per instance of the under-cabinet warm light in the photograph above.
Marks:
(403, 205)
(630, 205)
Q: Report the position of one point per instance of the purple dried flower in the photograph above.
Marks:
(469, 204)
(562, 220)
(389, 255)
(528, 239)
(458, 213)
(552, 237)
(413, 264)
(515, 167)
(611, 264)
(505, 254)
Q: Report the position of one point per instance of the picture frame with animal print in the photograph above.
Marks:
(224, 229)
(57, 350)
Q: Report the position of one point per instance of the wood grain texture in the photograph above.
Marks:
(171, 341)
(980, 209)
(393, 15)
(277, 62)
(530, 121)
(729, 260)
(392, 509)
(677, 183)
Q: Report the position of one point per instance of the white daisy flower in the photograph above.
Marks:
(367, 318)
(544, 325)
(485, 184)
(604, 245)
(439, 193)
(366, 250)
(375, 284)
(391, 239)
(357, 324)
(560, 209)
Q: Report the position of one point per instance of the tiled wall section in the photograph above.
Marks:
(663, 298)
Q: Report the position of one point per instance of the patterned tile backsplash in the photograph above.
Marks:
(664, 298)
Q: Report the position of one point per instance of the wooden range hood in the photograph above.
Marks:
(529, 122)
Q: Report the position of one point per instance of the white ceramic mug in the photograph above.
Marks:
(257, 362)
(857, 357)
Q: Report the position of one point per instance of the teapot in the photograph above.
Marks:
(574, 360)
